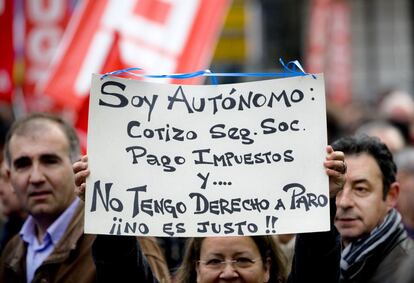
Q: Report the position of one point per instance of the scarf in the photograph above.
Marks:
(368, 252)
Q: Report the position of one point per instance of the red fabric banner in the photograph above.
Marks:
(158, 36)
(6, 50)
(45, 23)
(317, 36)
(329, 47)
(339, 61)
(107, 35)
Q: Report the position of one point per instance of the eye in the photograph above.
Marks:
(50, 159)
(244, 261)
(214, 262)
(22, 163)
(361, 191)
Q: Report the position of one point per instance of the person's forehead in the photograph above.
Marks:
(362, 166)
(228, 244)
(39, 127)
(36, 125)
(47, 135)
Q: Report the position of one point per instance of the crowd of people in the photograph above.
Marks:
(370, 164)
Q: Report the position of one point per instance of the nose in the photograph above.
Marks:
(36, 174)
(229, 271)
(344, 198)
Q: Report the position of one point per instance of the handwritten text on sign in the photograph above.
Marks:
(181, 160)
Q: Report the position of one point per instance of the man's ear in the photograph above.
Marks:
(392, 195)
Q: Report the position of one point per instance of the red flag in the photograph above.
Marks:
(6, 50)
(45, 22)
(317, 36)
(158, 36)
(338, 67)
(329, 47)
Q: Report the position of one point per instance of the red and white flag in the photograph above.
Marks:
(162, 36)
(45, 22)
(159, 36)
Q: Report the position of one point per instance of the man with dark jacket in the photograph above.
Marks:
(373, 236)
(51, 246)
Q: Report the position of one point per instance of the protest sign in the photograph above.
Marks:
(207, 160)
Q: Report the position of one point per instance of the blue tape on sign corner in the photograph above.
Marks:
(289, 70)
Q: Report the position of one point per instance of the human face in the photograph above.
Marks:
(360, 205)
(231, 248)
(10, 204)
(41, 171)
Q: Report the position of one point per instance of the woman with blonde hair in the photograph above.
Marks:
(248, 259)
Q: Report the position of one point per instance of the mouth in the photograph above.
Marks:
(39, 195)
(346, 221)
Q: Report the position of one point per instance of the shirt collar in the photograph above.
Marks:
(28, 230)
(55, 231)
(58, 228)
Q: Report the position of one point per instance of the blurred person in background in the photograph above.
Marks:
(405, 203)
(12, 208)
(344, 120)
(334, 127)
(173, 249)
(398, 108)
(9, 222)
(385, 131)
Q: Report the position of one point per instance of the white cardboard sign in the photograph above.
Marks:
(207, 160)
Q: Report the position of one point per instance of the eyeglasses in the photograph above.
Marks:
(220, 264)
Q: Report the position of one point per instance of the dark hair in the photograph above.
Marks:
(267, 246)
(28, 123)
(359, 144)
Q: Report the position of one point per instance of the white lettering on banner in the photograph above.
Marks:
(168, 32)
(48, 11)
(42, 42)
(168, 35)
(44, 31)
